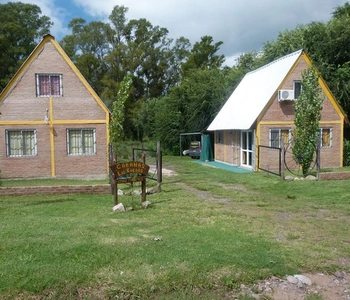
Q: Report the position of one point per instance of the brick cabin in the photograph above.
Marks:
(52, 123)
(261, 112)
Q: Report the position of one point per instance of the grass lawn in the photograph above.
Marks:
(207, 232)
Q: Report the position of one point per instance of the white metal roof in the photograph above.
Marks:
(252, 94)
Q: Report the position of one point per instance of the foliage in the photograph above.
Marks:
(21, 27)
(346, 154)
(116, 126)
(174, 83)
(191, 106)
(324, 42)
(308, 108)
(75, 246)
(203, 56)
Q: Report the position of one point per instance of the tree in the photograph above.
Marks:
(88, 47)
(287, 42)
(21, 27)
(116, 126)
(204, 56)
(308, 108)
(189, 107)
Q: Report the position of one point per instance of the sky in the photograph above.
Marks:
(242, 25)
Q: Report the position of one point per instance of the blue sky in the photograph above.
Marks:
(242, 25)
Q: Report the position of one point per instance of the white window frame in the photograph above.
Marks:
(81, 147)
(20, 150)
(279, 130)
(39, 92)
(330, 137)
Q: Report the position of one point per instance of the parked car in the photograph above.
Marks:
(195, 149)
(186, 152)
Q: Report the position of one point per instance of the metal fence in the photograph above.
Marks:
(269, 159)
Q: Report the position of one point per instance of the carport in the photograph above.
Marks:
(207, 148)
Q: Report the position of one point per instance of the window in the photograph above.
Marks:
(49, 85)
(326, 137)
(297, 88)
(21, 143)
(81, 141)
(219, 137)
(275, 137)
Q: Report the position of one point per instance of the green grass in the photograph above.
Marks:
(208, 231)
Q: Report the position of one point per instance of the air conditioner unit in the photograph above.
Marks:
(285, 95)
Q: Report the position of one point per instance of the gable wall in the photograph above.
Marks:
(23, 110)
(76, 103)
(284, 111)
(281, 115)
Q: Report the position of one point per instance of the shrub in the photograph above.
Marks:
(346, 153)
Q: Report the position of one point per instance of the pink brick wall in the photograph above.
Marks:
(284, 112)
(76, 105)
(55, 190)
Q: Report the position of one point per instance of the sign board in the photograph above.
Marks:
(131, 171)
(129, 168)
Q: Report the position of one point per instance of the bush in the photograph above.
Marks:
(346, 153)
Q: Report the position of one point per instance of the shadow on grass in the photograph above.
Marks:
(41, 202)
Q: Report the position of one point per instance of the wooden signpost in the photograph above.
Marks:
(128, 172)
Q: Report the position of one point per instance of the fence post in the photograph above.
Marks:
(159, 167)
(282, 153)
(318, 158)
(115, 183)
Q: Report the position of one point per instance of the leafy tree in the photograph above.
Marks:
(189, 107)
(204, 56)
(88, 47)
(249, 61)
(286, 42)
(21, 27)
(116, 126)
(307, 118)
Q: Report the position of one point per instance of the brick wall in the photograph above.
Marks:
(284, 112)
(55, 190)
(76, 106)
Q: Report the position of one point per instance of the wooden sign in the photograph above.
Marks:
(127, 168)
(131, 171)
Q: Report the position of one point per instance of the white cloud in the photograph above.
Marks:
(242, 25)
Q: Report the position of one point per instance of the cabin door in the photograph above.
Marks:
(247, 142)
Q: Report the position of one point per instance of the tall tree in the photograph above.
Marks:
(116, 126)
(204, 56)
(286, 42)
(21, 27)
(307, 118)
(189, 107)
(88, 46)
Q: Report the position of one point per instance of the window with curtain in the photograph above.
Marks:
(275, 137)
(21, 143)
(326, 137)
(49, 85)
(81, 141)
